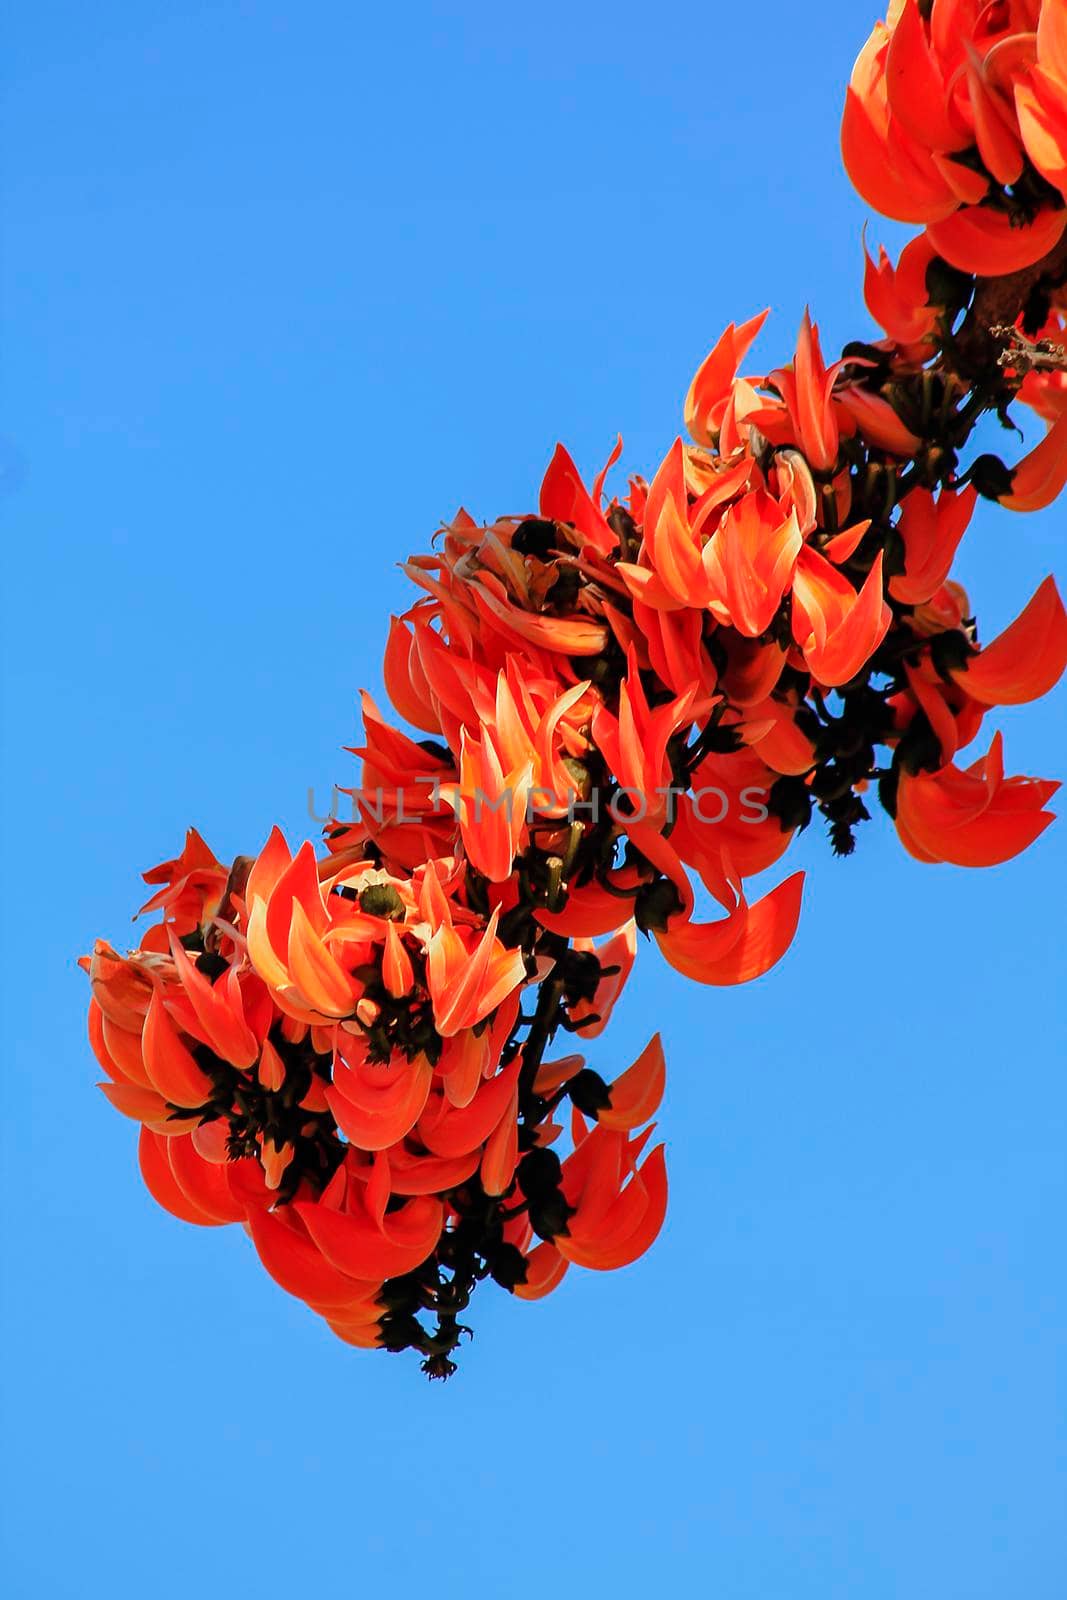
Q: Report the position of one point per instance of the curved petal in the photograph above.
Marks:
(743, 946)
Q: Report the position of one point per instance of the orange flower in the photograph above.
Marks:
(891, 169)
(492, 806)
(977, 239)
(570, 636)
(712, 385)
(634, 742)
(750, 561)
(776, 737)
(615, 957)
(618, 1206)
(469, 975)
(193, 885)
(295, 1261)
(450, 1131)
(635, 1094)
(726, 815)
(953, 717)
(940, 81)
(876, 420)
(376, 1104)
(946, 610)
(1026, 660)
(287, 927)
(674, 574)
(836, 628)
(897, 297)
(590, 910)
(674, 642)
(169, 1064)
(564, 498)
(545, 1268)
(405, 680)
(399, 798)
(359, 1238)
(743, 946)
(1041, 98)
(806, 388)
(931, 530)
(214, 1013)
(975, 817)
(1040, 476)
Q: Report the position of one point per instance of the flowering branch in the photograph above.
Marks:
(347, 1053)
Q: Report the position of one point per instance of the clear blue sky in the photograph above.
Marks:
(284, 285)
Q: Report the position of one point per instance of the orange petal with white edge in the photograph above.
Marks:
(261, 952)
(268, 867)
(299, 882)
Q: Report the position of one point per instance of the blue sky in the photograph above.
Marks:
(284, 285)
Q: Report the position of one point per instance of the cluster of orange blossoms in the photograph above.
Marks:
(347, 1053)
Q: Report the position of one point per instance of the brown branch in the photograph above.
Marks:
(1028, 355)
(998, 303)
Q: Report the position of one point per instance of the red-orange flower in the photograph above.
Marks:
(1041, 98)
(743, 946)
(1026, 660)
(931, 530)
(947, 104)
(837, 628)
(1040, 475)
(973, 817)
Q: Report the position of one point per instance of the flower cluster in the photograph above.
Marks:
(613, 703)
(956, 117)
